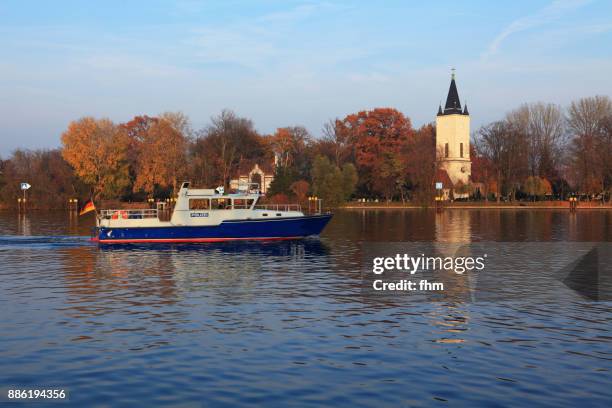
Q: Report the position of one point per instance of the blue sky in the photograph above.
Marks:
(284, 63)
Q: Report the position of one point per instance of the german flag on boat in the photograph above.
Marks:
(88, 208)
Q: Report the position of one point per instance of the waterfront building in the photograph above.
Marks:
(453, 143)
(262, 174)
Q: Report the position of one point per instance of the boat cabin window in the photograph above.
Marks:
(243, 203)
(220, 204)
(199, 204)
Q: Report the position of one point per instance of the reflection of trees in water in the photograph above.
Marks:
(154, 274)
(453, 236)
(450, 321)
(470, 225)
(99, 281)
(23, 225)
(453, 226)
(121, 293)
(219, 286)
(45, 223)
(238, 272)
(382, 225)
(72, 223)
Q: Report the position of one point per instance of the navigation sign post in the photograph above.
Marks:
(24, 187)
(439, 187)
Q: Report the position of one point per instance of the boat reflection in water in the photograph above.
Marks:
(219, 266)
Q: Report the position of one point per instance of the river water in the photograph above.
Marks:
(288, 323)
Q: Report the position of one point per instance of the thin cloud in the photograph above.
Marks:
(369, 77)
(552, 12)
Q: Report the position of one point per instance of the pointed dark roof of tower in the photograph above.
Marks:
(453, 105)
(440, 110)
(465, 111)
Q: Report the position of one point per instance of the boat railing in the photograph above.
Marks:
(136, 214)
(279, 207)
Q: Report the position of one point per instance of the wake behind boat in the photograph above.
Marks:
(208, 215)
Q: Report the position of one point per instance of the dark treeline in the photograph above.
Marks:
(536, 151)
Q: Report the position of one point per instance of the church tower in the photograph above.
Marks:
(453, 137)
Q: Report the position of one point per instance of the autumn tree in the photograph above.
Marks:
(380, 137)
(483, 172)
(300, 189)
(537, 186)
(161, 159)
(289, 145)
(52, 179)
(420, 165)
(97, 151)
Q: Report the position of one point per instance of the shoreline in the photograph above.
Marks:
(473, 206)
(470, 206)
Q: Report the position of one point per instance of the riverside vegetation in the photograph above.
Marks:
(538, 151)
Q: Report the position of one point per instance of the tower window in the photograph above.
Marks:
(460, 149)
(446, 150)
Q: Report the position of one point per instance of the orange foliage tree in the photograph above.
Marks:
(483, 173)
(98, 153)
(288, 144)
(300, 189)
(162, 157)
(380, 137)
(136, 132)
(420, 165)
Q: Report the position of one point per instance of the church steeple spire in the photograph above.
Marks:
(453, 140)
(453, 105)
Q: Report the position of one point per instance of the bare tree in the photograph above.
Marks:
(338, 139)
(591, 147)
(180, 122)
(505, 147)
(231, 139)
(585, 116)
(543, 126)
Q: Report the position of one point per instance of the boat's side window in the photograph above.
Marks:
(199, 204)
(220, 203)
(243, 203)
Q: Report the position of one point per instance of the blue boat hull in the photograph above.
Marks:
(267, 229)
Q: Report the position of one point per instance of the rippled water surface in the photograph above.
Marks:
(287, 323)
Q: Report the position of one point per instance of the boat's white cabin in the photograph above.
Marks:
(200, 207)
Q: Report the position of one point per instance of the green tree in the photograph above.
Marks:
(332, 185)
(349, 180)
(284, 177)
